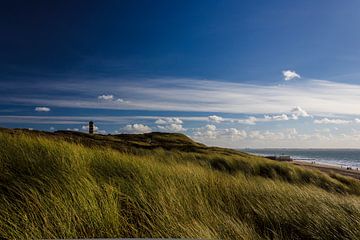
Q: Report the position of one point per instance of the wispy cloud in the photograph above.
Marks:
(170, 124)
(168, 120)
(250, 120)
(85, 119)
(173, 127)
(331, 121)
(316, 96)
(42, 109)
(136, 128)
(111, 98)
(210, 131)
(281, 117)
(216, 119)
(106, 97)
(207, 132)
(298, 112)
(120, 100)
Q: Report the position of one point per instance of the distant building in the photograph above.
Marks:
(91, 127)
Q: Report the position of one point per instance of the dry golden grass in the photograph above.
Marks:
(55, 189)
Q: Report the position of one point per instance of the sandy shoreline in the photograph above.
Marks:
(329, 168)
(324, 167)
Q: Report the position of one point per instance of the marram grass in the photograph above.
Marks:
(55, 189)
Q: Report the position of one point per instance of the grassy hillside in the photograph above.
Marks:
(72, 185)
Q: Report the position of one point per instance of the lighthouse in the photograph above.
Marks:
(91, 127)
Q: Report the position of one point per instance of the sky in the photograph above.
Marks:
(239, 74)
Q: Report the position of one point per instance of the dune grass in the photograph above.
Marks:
(55, 189)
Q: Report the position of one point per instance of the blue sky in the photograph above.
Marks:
(228, 73)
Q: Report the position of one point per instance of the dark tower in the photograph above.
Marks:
(91, 127)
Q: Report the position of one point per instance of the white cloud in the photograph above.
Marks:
(106, 97)
(331, 121)
(228, 134)
(102, 132)
(173, 127)
(209, 131)
(42, 109)
(256, 135)
(235, 133)
(295, 113)
(161, 121)
(250, 120)
(323, 130)
(290, 75)
(267, 135)
(215, 119)
(121, 100)
(285, 134)
(281, 117)
(86, 128)
(136, 128)
(291, 133)
(110, 99)
(212, 132)
(210, 127)
(336, 121)
(168, 120)
(170, 124)
(289, 137)
(299, 112)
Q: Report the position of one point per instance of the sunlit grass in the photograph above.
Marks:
(55, 189)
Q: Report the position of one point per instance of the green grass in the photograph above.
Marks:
(70, 185)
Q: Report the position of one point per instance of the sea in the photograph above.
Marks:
(336, 157)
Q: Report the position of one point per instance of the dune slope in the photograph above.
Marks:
(72, 185)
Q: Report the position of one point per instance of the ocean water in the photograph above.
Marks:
(343, 157)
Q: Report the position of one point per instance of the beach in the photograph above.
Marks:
(327, 168)
(341, 161)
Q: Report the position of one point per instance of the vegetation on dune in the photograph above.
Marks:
(69, 185)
